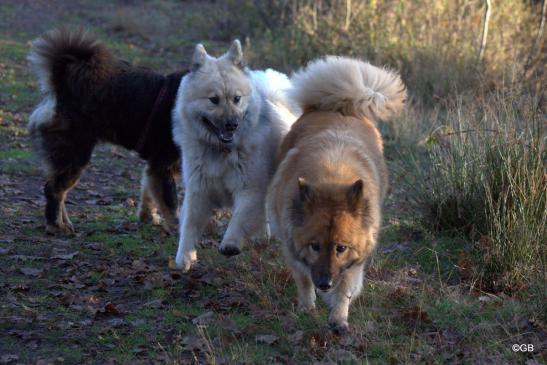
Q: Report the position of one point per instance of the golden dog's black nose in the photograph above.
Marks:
(325, 282)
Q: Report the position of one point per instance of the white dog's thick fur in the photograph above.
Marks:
(228, 122)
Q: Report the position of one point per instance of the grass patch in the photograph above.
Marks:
(483, 176)
(15, 153)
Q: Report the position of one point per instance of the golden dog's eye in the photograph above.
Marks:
(215, 100)
(315, 246)
(340, 248)
(237, 98)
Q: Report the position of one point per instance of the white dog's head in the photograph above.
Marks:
(218, 96)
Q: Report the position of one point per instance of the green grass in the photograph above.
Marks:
(15, 154)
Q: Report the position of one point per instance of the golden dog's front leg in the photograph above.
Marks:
(345, 292)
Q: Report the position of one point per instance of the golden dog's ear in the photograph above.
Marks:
(354, 194)
(358, 203)
(305, 190)
(199, 57)
(235, 54)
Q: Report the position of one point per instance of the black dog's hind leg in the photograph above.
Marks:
(65, 156)
(148, 210)
(56, 189)
(160, 181)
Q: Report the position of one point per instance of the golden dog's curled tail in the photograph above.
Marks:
(349, 86)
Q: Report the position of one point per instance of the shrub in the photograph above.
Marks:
(483, 174)
(433, 42)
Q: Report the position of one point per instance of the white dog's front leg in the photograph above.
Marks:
(247, 221)
(194, 215)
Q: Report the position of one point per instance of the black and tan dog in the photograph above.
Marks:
(91, 97)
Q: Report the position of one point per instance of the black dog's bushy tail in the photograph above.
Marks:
(69, 61)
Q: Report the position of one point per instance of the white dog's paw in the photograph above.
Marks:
(229, 248)
(185, 261)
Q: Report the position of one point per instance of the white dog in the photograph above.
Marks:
(228, 122)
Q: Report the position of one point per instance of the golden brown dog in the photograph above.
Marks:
(325, 200)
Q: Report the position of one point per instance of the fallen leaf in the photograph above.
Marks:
(343, 356)
(193, 343)
(268, 339)
(171, 264)
(228, 324)
(116, 322)
(31, 271)
(19, 288)
(415, 315)
(204, 319)
(156, 303)
(67, 256)
(296, 337)
(95, 246)
(489, 298)
(8, 358)
(108, 310)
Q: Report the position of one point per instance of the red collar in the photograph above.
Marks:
(151, 116)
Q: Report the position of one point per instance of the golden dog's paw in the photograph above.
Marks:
(306, 308)
(339, 327)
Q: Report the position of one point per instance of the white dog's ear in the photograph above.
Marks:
(198, 59)
(235, 54)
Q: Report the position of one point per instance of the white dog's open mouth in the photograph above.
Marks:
(223, 136)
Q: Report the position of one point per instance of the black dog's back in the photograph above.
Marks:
(90, 96)
(136, 110)
(104, 97)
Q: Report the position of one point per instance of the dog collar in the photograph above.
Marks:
(152, 115)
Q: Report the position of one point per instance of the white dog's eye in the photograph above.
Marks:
(237, 98)
(215, 100)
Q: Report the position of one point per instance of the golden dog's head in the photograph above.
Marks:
(332, 229)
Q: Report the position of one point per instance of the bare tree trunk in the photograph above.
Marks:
(539, 35)
(348, 15)
(486, 20)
